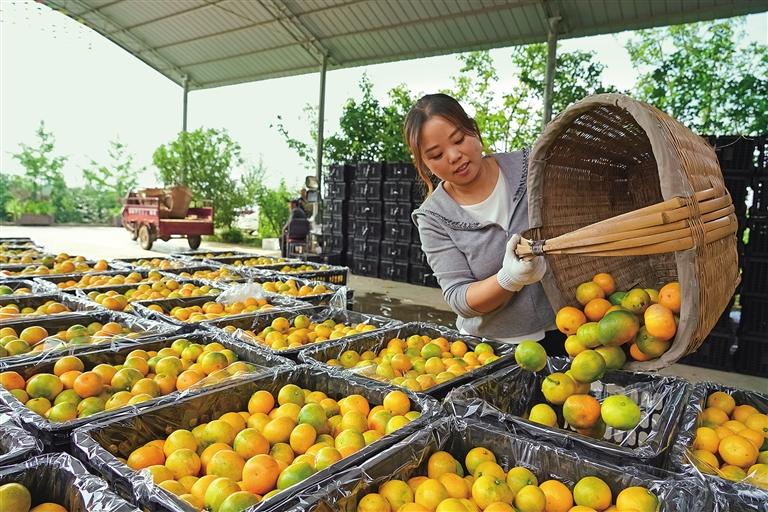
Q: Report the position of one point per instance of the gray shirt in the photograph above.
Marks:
(460, 250)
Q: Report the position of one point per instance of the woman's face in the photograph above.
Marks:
(450, 153)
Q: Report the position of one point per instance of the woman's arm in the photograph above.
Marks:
(487, 295)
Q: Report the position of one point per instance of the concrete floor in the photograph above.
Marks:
(403, 301)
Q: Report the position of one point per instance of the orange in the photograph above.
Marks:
(373, 502)
(755, 437)
(278, 430)
(487, 489)
(302, 437)
(530, 499)
(581, 411)
(617, 328)
(591, 491)
(759, 423)
(489, 468)
(294, 474)
(440, 463)
(737, 451)
(201, 485)
(218, 431)
(706, 439)
(397, 403)
(569, 319)
(210, 451)
(556, 387)
(261, 401)
(596, 309)
(33, 334)
(518, 477)
(326, 456)
(218, 491)
(477, 456)
(651, 346)
(499, 507)
(282, 453)
(239, 501)
(348, 442)
(44, 385)
(147, 455)
(669, 296)
(179, 439)
(637, 498)
(558, 496)
(455, 485)
(660, 322)
(637, 354)
(732, 473)
(355, 402)
(12, 380)
(291, 393)
(225, 463)
(106, 371)
(249, 443)
(430, 493)
(606, 282)
(705, 461)
(88, 384)
(183, 462)
(586, 292)
(397, 493)
(742, 412)
(66, 364)
(713, 417)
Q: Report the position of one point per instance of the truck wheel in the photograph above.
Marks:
(194, 241)
(145, 237)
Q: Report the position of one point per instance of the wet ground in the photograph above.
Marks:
(405, 310)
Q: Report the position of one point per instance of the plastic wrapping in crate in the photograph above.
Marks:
(760, 197)
(316, 314)
(398, 231)
(100, 443)
(340, 172)
(333, 290)
(397, 212)
(714, 353)
(366, 267)
(16, 444)
(421, 275)
(410, 456)
(403, 171)
(730, 496)
(333, 274)
(735, 152)
(149, 263)
(60, 478)
(757, 244)
(754, 276)
(371, 190)
(141, 330)
(371, 230)
(238, 262)
(367, 210)
(56, 435)
(754, 315)
(375, 342)
(140, 308)
(397, 191)
(35, 301)
(15, 240)
(13, 271)
(397, 251)
(752, 355)
(82, 293)
(226, 274)
(203, 254)
(370, 171)
(58, 282)
(337, 190)
(416, 255)
(393, 270)
(507, 396)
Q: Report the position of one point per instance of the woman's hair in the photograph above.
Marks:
(427, 107)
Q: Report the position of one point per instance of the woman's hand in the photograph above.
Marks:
(516, 273)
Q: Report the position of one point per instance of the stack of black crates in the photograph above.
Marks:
(742, 344)
(379, 238)
(337, 184)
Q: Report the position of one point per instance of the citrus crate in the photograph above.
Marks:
(258, 322)
(375, 341)
(55, 282)
(100, 444)
(16, 444)
(60, 478)
(409, 458)
(507, 395)
(35, 301)
(327, 273)
(14, 270)
(730, 496)
(334, 290)
(56, 435)
(140, 263)
(15, 284)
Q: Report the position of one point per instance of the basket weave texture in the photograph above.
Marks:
(607, 155)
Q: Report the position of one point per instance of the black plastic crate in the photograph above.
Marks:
(366, 267)
(759, 207)
(395, 251)
(368, 210)
(422, 275)
(336, 243)
(337, 190)
(394, 271)
(397, 211)
(340, 172)
(369, 171)
(397, 231)
(754, 315)
(738, 184)
(736, 152)
(415, 238)
(337, 208)
(371, 230)
(367, 189)
(404, 171)
(416, 254)
(752, 355)
(397, 191)
(366, 249)
(757, 244)
(754, 276)
(715, 352)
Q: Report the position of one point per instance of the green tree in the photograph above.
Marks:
(273, 210)
(701, 74)
(107, 185)
(204, 160)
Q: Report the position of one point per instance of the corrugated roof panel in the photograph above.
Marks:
(134, 13)
(253, 11)
(198, 23)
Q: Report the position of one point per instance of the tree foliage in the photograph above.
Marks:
(107, 185)
(273, 210)
(702, 75)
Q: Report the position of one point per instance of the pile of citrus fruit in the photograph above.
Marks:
(93, 280)
(72, 392)
(164, 288)
(244, 457)
(292, 289)
(222, 274)
(205, 255)
(252, 262)
(7, 290)
(283, 333)
(482, 484)
(159, 263)
(295, 269)
(17, 498)
(417, 362)
(37, 338)
(732, 441)
(61, 264)
(24, 258)
(213, 310)
(643, 320)
(51, 307)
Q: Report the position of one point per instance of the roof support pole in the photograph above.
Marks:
(184, 107)
(551, 64)
(321, 121)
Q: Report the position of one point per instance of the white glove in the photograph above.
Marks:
(516, 273)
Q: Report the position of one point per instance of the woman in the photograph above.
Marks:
(469, 226)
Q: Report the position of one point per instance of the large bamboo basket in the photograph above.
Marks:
(607, 155)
